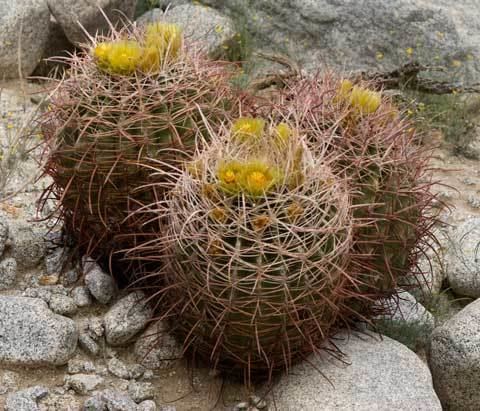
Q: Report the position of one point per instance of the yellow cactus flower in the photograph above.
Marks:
(167, 38)
(257, 178)
(151, 59)
(101, 53)
(248, 129)
(364, 100)
(228, 174)
(283, 133)
(124, 56)
(346, 87)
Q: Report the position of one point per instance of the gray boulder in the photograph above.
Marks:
(200, 24)
(462, 259)
(126, 318)
(377, 375)
(72, 14)
(25, 26)
(454, 359)
(31, 335)
(367, 34)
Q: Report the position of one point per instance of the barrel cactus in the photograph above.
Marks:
(377, 150)
(257, 249)
(135, 98)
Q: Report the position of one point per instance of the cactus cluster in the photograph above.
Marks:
(258, 236)
(133, 99)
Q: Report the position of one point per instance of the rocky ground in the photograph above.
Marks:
(69, 340)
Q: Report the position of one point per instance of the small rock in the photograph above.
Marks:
(155, 348)
(100, 284)
(147, 405)
(80, 367)
(136, 371)
(32, 335)
(118, 368)
(81, 296)
(95, 328)
(25, 400)
(473, 201)
(95, 403)
(8, 273)
(70, 277)
(242, 406)
(8, 381)
(82, 383)
(62, 305)
(54, 261)
(88, 344)
(141, 391)
(3, 233)
(118, 401)
(28, 248)
(126, 318)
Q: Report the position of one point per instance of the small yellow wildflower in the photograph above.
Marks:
(409, 51)
(247, 129)
(257, 178)
(228, 174)
(218, 28)
(379, 55)
(456, 63)
(364, 100)
(167, 38)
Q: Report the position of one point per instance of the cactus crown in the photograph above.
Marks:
(160, 44)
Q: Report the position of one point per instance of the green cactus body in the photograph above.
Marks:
(376, 150)
(104, 131)
(256, 279)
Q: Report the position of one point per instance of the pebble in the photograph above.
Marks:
(147, 405)
(63, 305)
(78, 366)
(100, 284)
(88, 344)
(118, 401)
(26, 400)
(8, 272)
(473, 201)
(141, 391)
(82, 383)
(95, 328)
(29, 247)
(81, 296)
(126, 318)
(118, 368)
